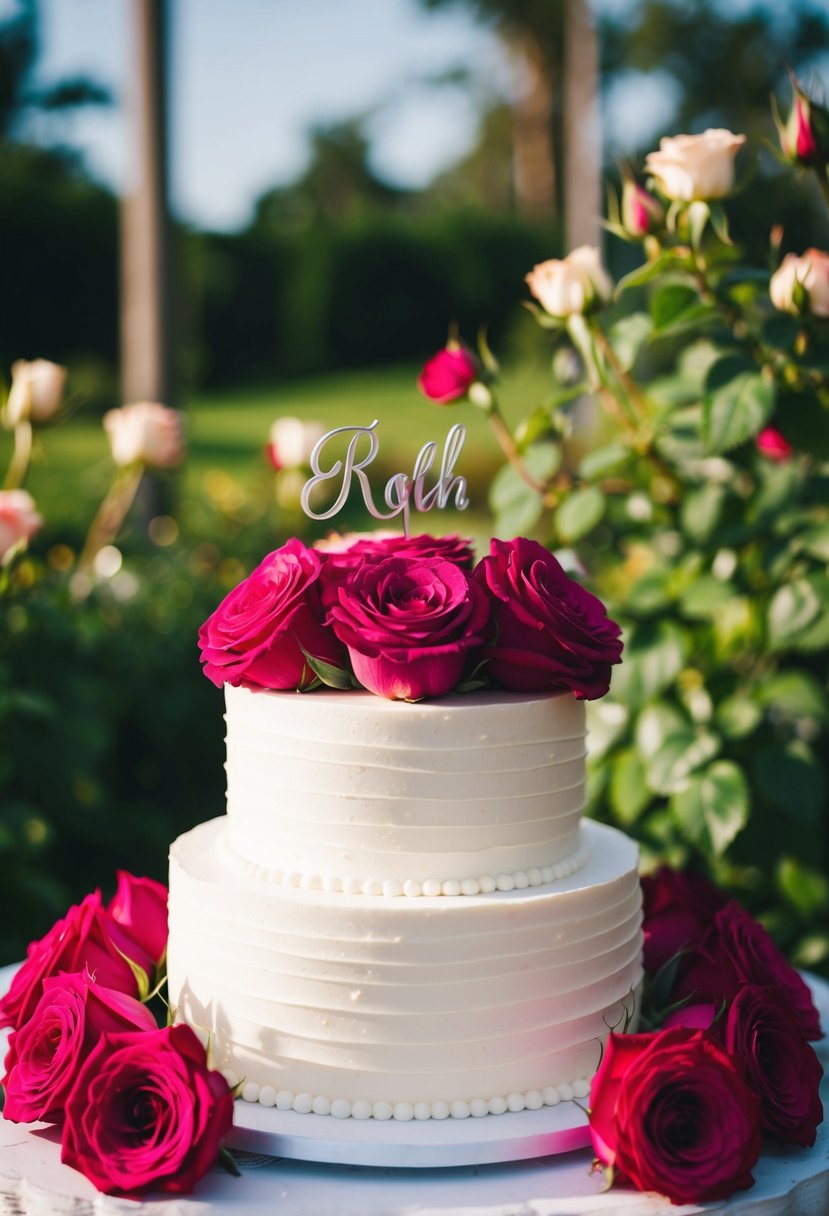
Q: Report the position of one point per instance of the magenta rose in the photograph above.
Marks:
(46, 1055)
(85, 939)
(409, 624)
(767, 1043)
(736, 950)
(448, 374)
(677, 910)
(339, 563)
(146, 1111)
(669, 1112)
(258, 633)
(551, 634)
(139, 906)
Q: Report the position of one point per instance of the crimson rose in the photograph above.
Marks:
(671, 1113)
(139, 906)
(85, 939)
(552, 634)
(259, 631)
(677, 910)
(736, 950)
(409, 624)
(448, 374)
(146, 1111)
(46, 1054)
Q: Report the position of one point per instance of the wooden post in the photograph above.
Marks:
(582, 128)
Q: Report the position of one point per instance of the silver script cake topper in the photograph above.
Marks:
(401, 491)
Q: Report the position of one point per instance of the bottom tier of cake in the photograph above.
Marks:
(360, 1005)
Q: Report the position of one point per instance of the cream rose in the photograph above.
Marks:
(146, 433)
(18, 519)
(291, 442)
(811, 271)
(571, 285)
(36, 391)
(689, 167)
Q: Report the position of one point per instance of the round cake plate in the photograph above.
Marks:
(513, 1136)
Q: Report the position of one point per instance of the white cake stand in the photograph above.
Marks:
(33, 1182)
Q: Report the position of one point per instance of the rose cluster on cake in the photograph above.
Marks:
(682, 1109)
(411, 617)
(137, 1106)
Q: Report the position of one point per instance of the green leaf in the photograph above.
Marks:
(655, 724)
(790, 778)
(795, 694)
(703, 599)
(516, 505)
(228, 1162)
(652, 659)
(738, 716)
(142, 980)
(793, 608)
(603, 460)
(701, 511)
(669, 769)
(580, 512)
(331, 676)
(650, 593)
(671, 302)
(647, 272)
(628, 792)
(807, 890)
(714, 807)
(815, 542)
(628, 336)
(736, 411)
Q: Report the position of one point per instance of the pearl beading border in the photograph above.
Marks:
(403, 1112)
(412, 888)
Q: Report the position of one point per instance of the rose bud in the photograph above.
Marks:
(801, 284)
(691, 167)
(36, 391)
(766, 1042)
(139, 906)
(641, 211)
(259, 632)
(669, 1112)
(677, 911)
(146, 1111)
(449, 374)
(578, 283)
(550, 633)
(46, 1055)
(19, 521)
(409, 623)
(146, 433)
(292, 441)
(773, 445)
(804, 137)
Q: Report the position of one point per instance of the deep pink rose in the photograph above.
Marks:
(736, 950)
(677, 910)
(146, 1111)
(774, 445)
(85, 939)
(671, 1113)
(46, 1055)
(409, 624)
(767, 1043)
(259, 631)
(448, 374)
(337, 564)
(552, 634)
(139, 906)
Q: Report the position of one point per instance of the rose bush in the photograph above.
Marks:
(260, 631)
(146, 1111)
(551, 633)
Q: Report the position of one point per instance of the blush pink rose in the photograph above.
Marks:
(146, 1111)
(259, 631)
(85, 939)
(669, 1112)
(551, 633)
(678, 909)
(449, 374)
(736, 950)
(46, 1055)
(761, 1035)
(18, 519)
(409, 624)
(139, 906)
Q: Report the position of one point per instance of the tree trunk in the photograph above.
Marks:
(534, 170)
(582, 130)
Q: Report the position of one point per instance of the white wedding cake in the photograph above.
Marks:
(403, 913)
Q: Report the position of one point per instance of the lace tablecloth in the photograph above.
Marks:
(789, 1182)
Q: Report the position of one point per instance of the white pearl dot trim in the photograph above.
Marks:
(403, 1112)
(392, 888)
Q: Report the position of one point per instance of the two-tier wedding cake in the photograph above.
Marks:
(403, 913)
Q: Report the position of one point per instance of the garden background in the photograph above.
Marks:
(322, 304)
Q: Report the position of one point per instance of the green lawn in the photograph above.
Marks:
(228, 432)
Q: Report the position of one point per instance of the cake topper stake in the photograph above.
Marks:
(401, 490)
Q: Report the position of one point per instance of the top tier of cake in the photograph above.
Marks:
(347, 791)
